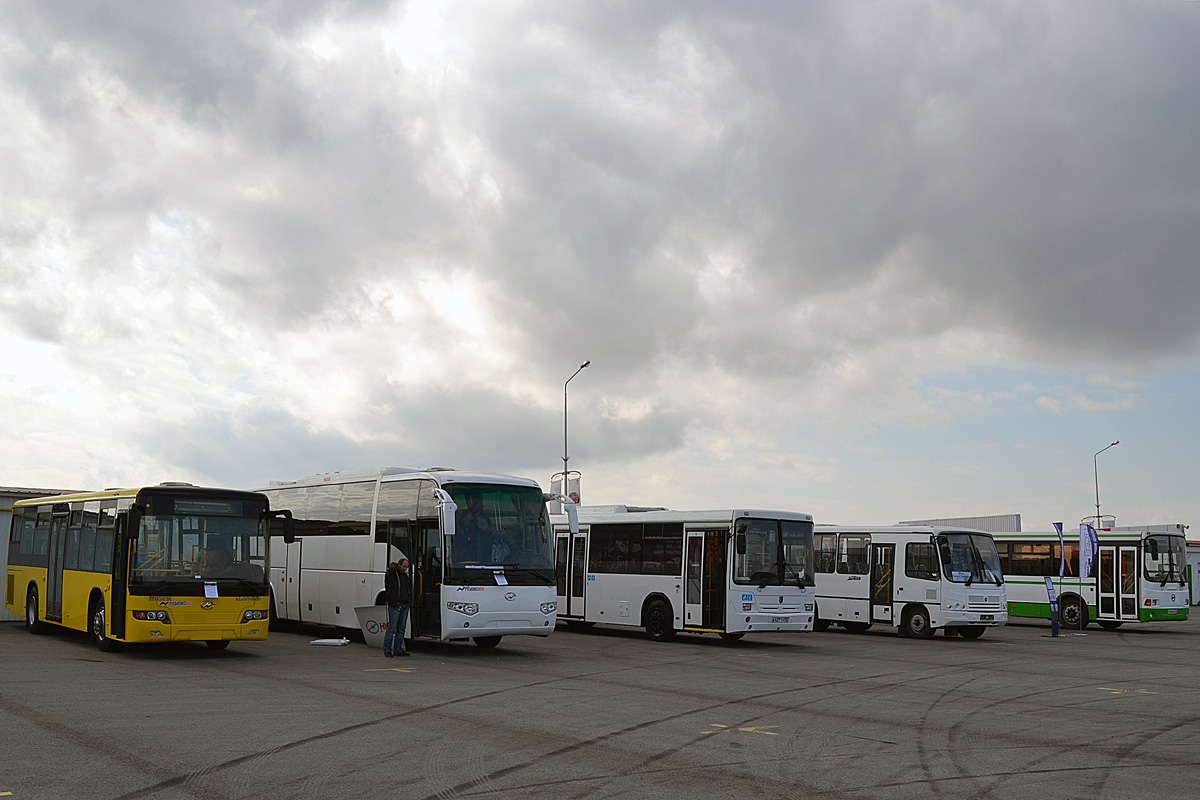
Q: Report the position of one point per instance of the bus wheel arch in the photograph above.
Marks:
(1072, 612)
(33, 621)
(915, 622)
(658, 618)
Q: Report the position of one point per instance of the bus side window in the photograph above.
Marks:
(852, 555)
(920, 561)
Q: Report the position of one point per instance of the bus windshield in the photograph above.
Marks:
(501, 534)
(204, 541)
(773, 552)
(1165, 559)
(970, 557)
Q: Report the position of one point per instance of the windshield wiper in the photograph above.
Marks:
(799, 575)
(547, 580)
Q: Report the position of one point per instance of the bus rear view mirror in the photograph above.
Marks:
(446, 510)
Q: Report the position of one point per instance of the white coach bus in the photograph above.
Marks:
(915, 578)
(479, 545)
(725, 572)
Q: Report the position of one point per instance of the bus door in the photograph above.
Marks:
(713, 581)
(693, 601)
(569, 574)
(426, 618)
(1117, 591)
(883, 563)
(291, 580)
(1128, 607)
(578, 579)
(54, 575)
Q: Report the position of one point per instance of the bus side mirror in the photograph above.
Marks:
(446, 510)
(289, 526)
(739, 542)
(570, 507)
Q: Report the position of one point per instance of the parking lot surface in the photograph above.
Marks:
(605, 713)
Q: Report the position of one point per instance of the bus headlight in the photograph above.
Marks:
(469, 609)
(549, 608)
(254, 614)
(152, 616)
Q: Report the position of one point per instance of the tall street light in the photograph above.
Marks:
(582, 367)
(1096, 472)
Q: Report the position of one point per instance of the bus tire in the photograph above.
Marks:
(819, 625)
(730, 637)
(217, 644)
(1109, 624)
(971, 631)
(660, 623)
(33, 622)
(1071, 613)
(97, 628)
(486, 641)
(916, 623)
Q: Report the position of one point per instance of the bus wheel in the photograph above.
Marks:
(951, 631)
(98, 630)
(730, 637)
(1109, 624)
(1071, 614)
(659, 623)
(971, 631)
(916, 623)
(820, 624)
(217, 644)
(486, 641)
(33, 623)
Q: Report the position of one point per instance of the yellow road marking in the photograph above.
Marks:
(759, 729)
(1125, 691)
(391, 669)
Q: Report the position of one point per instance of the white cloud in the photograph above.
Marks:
(788, 237)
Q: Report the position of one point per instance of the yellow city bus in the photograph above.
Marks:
(165, 563)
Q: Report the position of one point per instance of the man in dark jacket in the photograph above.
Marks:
(397, 586)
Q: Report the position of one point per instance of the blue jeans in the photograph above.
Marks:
(397, 619)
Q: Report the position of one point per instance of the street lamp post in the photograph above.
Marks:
(1096, 473)
(566, 458)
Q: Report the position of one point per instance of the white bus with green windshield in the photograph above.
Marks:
(728, 572)
(1136, 574)
(917, 579)
(479, 546)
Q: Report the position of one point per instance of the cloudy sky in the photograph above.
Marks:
(870, 261)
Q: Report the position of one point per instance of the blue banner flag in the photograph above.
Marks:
(1089, 546)
(1062, 551)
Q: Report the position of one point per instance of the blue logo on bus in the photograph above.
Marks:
(747, 597)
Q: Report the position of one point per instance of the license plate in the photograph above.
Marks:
(779, 619)
(987, 617)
